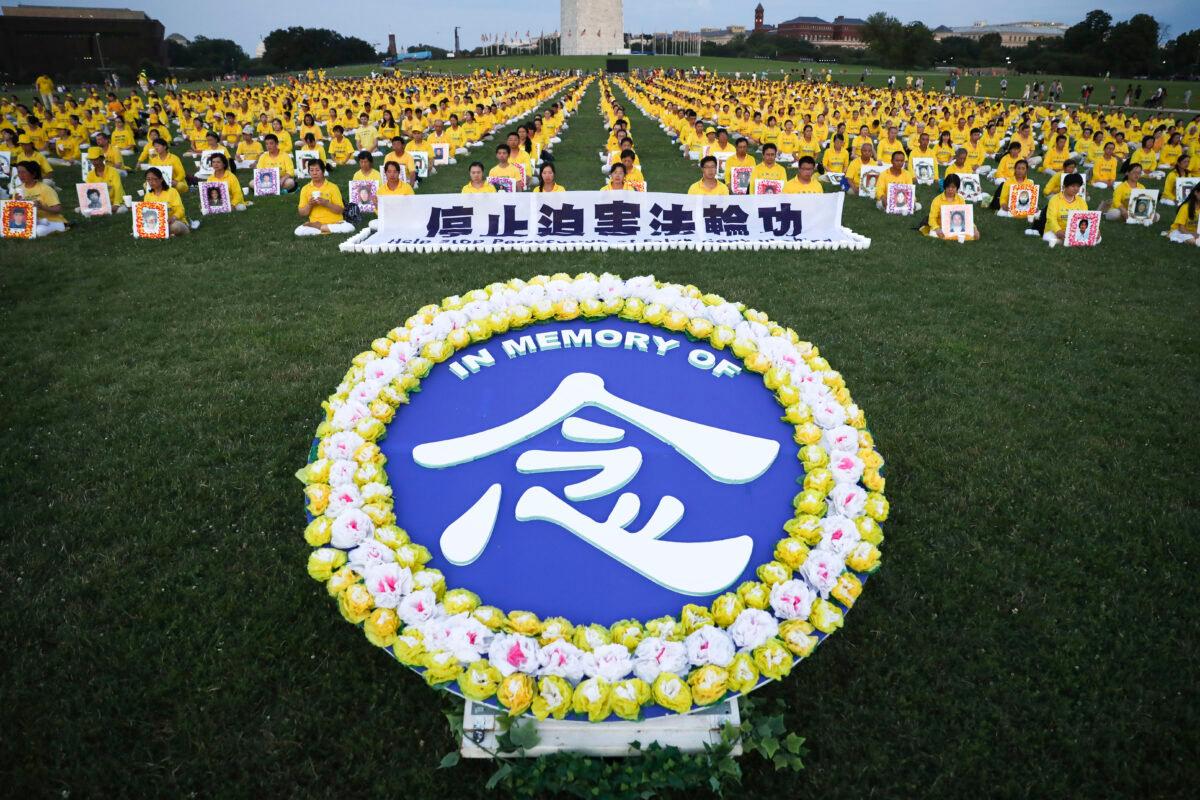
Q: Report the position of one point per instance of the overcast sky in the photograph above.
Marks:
(247, 21)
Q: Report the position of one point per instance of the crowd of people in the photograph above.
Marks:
(746, 135)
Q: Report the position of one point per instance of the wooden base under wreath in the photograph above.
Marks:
(688, 732)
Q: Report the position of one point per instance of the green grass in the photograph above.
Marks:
(1032, 633)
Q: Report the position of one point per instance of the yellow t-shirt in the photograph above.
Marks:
(558, 187)
(282, 162)
(1104, 170)
(174, 202)
(111, 179)
(341, 150)
(1184, 222)
(794, 186)
(935, 210)
(699, 188)
(487, 188)
(320, 214)
(836, 160)
(887, 177)
(43, 193)
(1121, 192)
(373, 175)
(402, 187)
(235, 187)
(1057, 209)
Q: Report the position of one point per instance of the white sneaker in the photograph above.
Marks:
(1031, 232)
(195, 224)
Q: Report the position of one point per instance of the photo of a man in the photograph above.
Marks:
(17, 221)
(958, 222)
(150, 221)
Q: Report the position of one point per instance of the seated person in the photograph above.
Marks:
(549, 180)
(366, 169)
(30, 186)
(277, 159)
(392, 183)
(896, 173)
(1118, 207)
(1066, 201)
(477, 184)
(161, 192)
(321, 204)
(219, 164)
(948, 197)
(101, 172)
(248, 150)
(805, 182)
(1183, 229)
(708, 183)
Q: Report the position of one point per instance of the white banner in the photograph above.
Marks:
(603, 220)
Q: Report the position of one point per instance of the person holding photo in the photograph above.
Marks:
(1118, 207)
(366, 169)
(248, 150)
(477, 184)
(949, 197)
(504, 169)
(277, 159)
(1180, 168)
(160, 192)
(321, 204)
(1060, 205)
(897, 173)
(32, 188)
(221, 174)
(1183, 229)
(391, 184)
(866, 158)
(1020, 182)
(163, 157)
(399, 156)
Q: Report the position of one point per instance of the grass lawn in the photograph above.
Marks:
(1029, 635)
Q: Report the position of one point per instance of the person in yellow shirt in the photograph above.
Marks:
(1146, 158)
(1020, 182)
(341, 149)
(768, 170)
(708, 183)
(283, 137)
(787, 142)
(122, 137)
(110, 152)
(392, 184)
(836, 160)
(101, 172)
(740, 158)
(1056, 156)
(158, 191)
(248, 150)
(30, 186)
(27, 152)
(66, 149)
(321, 205)
(949, 197)
(163, 157)
(504, 169)
(366, 169)
(1104, 169)
(1004, 170)
(1061, 204)
(549, 180)
(1184, 229)
(866, 158)
(1054, 184)
(897, 173)
(477, 183)
(45, 87)
(397, 154)
(219, 163)
(197, 137)
(275, 158)
(808, 144)
(1118, 207)
(616, 179)
(1181, 168)
(804, 182)
(890, 144)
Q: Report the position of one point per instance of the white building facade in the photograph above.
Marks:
(592, 27)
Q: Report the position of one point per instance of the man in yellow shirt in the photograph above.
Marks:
(101, 172)
(836, 160)
(804, 183)
(740, 158)
(341, 149)
(897, 173)
(402, 158)
(277, 159)
(45, 87)
(248, 149)
(708, 183)
(366, 169)
(504, 169)
(768, 170)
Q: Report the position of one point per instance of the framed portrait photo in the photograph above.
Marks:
(203, 167)
(868, 177)
(901, 198)
(969, 187)
(266, 181)
(1142, 203)
(421, 162)
(739, 180)
(1083, 229)
(214, 198)
(503, 183)
(441, 153)
(1023, 200)
(763, 186)
(168, 174)
(18, 219)
(93, 199)
(924, 170)
(1183, 187)
(364, 194)
(722, 161)
(522, 182)
(302, 159)
(958, 220)
(151, 221)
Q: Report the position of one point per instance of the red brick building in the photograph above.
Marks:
(842, 31)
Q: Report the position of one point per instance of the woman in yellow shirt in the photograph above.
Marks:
(1020, 181)
(478, 183)
(391, 184)
(1066, 201)
(948, 197)
(221, 174)
(616, 178)
(1104, 168)
(162, 157)
(102, 173)
(1181, 169)
(321, 205)
(275, 158)
(160, 192)
(837, 158)
(248, 149)
(708, 183)
(1184, 229)
(549, 180)
(1118, 207)
(31, 187)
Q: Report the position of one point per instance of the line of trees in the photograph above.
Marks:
(301, 48)
(207, 56)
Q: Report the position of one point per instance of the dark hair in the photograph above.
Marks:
(91, 192)
(308, 162)
(706, 160)
(475, 164)
(337, 128)
(270, 137)
(806, 160)
(33, 168)
(215, 156)
(1070, 162)
(1074, 179)
(395, 164)
(628, 153)
(742, 139)
(548, 166)
(952, 180)
(157, 142)
(367, 155)
(1193, 201)
(158, 173)
(503, 147)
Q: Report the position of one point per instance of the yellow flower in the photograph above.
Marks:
(773, 572)
(355, 603)
(315, 472)
(825, 616)
(412, 555)
(776, 377)
(554, 628)
(675, 321)
(791, 552)
(848, 588)
(479, 681)
(654, 313)
(699, 328)
(797, 414)
(553, 698)
(743, 673)
(441, 667)
(592, 309)
(590, 637)
(877, 506)
(432, 579)
(807, 433)
(819, 480)
(694, 617)
(490, 616)
(670, 692)
(873, 480)
(863, 558)
(632, 310)
(869, 530)
(380, 628)
(370, 429)
(797, 637)
(318, 498)
(743, 347)
(773, 659)
(628, 697)
(810, 502)
(380, 513)
(323, 562)
(594, 698)
(726, 608)
(460, 601)
(813, 456)
(721, 337)
(709, 684)
(409, 647)
(754, 594)
(525, 623)
(566, 310)
(666, 628)
(805, 527)
(757, 362)
(341, 580)
(627, 632)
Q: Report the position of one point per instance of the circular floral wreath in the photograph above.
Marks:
(554, 666)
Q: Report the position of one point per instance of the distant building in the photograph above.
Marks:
(1012, 34)
(841, 32)
(722, 35)
(592, 27)
(77, 44)
(179, 39)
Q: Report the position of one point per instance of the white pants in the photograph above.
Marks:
(337, 227)
(1113, 213)
(45, 228)
(1183, 237)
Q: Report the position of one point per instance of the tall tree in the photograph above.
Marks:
(884, 36)
(300, 48)
(1088, 36)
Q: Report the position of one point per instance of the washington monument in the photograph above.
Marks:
(592, 27)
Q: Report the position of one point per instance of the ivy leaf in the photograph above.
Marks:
(770, 746)
(499, 775)
(523, 736)
(449, 760)
(794, 743)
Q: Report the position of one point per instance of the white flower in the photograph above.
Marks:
(557, 291)
(611, 287)
(821, 569)
(511, 653)
(842, 439)
(609, 661)
(814, 391)
(381, 370)
(342, 445)
(792, 599)
(562, 659)
(654, 656)
(848, 500)
(388, 584)
(531, 294)
(341, 472)
(365, 392)
(417, 607)
(370, 554)
(349, 415)
(751, 330)
(463, 635)
(585, 289)
(477, 310)
(829, 413)
(753, 627)
(691, 307)
(448, 321)
(351, 528)
(375, 490)
(780, 351)
(641, 287)
(402, 353)
(342, 499)
(839, 534)
(846, 467)
(726, 314)
(709, 645)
